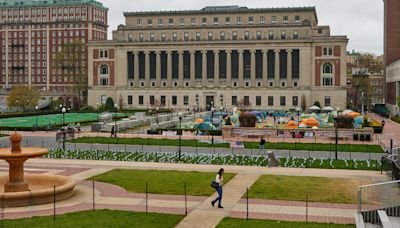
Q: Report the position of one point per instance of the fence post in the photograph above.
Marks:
(359, 200)
(146, 197)
(306, 207)
(186, 210)
(247, 203)
(94, 205)
(54, 204)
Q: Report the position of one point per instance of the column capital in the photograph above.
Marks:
(203, 52)
(146, 52)
(240, 51)
(252, 51)
(277, 50)
(289, 50)
(216, 51)
(157, 52)
(180, 52)
(169, 52)
(228, 51)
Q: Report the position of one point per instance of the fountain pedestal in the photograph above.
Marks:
(16, 182)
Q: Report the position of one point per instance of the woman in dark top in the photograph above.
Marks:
(219, 179)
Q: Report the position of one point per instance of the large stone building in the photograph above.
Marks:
(31, 34)
(268, 58)
(392, 53)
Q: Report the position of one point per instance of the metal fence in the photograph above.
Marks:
(381, 196)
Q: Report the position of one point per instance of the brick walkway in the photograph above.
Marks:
(199, 210)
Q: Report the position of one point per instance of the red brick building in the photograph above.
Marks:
(31, 34)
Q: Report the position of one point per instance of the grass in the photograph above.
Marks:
(396, 119)
(148, 141)
(318, 189)
(162, 181)
(98, 218)
(248, 145)
(254, 223)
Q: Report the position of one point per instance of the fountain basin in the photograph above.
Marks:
(41, 190)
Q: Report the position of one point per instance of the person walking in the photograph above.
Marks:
(262, 145)
(112, 131)
(219, 180)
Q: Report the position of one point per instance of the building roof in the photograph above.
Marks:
(222, 10)
(47, 3)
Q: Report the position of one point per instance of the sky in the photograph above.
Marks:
(360, 20)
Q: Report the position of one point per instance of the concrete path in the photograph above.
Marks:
(204, 216)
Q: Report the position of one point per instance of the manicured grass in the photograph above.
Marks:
(318, 189)
(149, 141)
(98, 218)
(162, 181)
(193, 143)
(318, 147)
(396, 119)
(254, 223)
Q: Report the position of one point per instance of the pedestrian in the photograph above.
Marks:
(261, 145)
(112, 131)
(219, 180)
(383, 123)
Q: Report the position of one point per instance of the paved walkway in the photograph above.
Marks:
(200, 212)
(390, 131)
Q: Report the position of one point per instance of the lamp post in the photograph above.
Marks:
(157, 114)
(180, 135)
(63, 110)
(97, 105)
(37, 109)
(115, 120)
(335, 117)
(212, 124)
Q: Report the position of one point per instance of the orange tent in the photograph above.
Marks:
(291, 124)
(312, 122)
(199, 120)
(353, 114)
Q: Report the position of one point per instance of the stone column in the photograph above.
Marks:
(204, 68)
(192, 69)
(228, 68)
(216, 68)
(158, 68)
(253, 67)
(180, 68)
(289, 67)
(265, 68)
(147, 69)
(240, 52)
(136, 69)
(277, 75)
(169, 68)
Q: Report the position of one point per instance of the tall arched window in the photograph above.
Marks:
(327, 74)
(104, 75)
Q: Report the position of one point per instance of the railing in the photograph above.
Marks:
(391, 164)
(382, 196)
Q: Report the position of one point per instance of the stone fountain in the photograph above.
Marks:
(20, 189)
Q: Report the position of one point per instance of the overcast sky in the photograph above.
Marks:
(360, 20)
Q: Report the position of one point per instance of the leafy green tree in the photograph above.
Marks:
(317, 104)
(109, 104)
(23, 97)
(71, 61)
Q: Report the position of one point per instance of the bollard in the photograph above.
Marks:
(94, 208)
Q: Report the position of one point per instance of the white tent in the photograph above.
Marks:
(328, 109)
(314, 108)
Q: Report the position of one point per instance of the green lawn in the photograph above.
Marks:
(254, 145)
(318, 189)
(254, 223)
(162, 181)
(99, 218)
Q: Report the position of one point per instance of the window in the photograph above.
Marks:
(174, 36)
(130, 37)
(285, 19)
(171, 21)
(327, 75)
(151, 100)
(270, 101)
(204, 20)
(193, 21)
(297, 18)
(141, 37)
(239, 20)
(174, 100)
(327, 51)
(141, 100)
(234, 100)
(222, 35)
(104, 75)
(186, 36)
(295, 34)
(251, 19)
(258, 35)
(198, 36)
(295, 101)
(283, 34)
(258, 100)
(152, 37)
(246, 100)
(130, 100)
(185, 100)
(327, 101)
(149, 22)
(160, 22)
(163, 36)
(181, 21)
(283, 100)
(271, 35)
(262, 20)
(246, 35)
(139, 22)
(234, 35)
(210, 35)
(215, 20)
(273, 19)
(103, 99)
(327, 69)
(227, 20)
